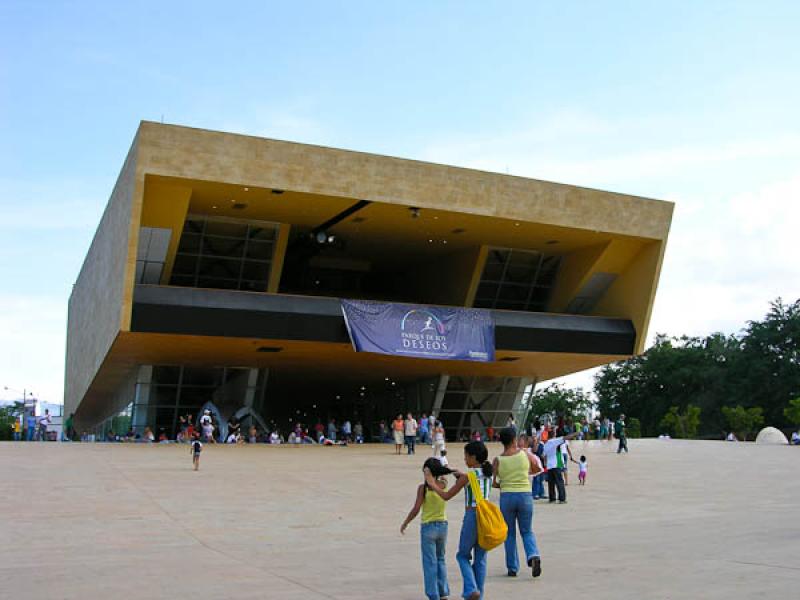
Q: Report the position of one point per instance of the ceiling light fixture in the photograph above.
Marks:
(246, 189)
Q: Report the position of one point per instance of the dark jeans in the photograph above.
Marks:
(623, 444)
(410, 440)
(555, 480)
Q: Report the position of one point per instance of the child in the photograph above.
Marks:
(582, 471)
(196, 449)
(433, 532)
(443, 458)
(473, 571)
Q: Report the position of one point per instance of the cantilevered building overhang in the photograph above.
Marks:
(222, 251)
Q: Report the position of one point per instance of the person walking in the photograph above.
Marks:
(554, 461)
(17, 430)
(511, 471)
(196, 448)
(424, 429)
(471, 557)
(411, 427)
(622, 435)
(397, 432)
(537, 449)
(44, 421)
(30, 426)
(438, 440)
(433, 532)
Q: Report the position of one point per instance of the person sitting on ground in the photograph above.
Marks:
(275, 437)
(796, 438)
(731, 437)
(148, 435)
(252, 436)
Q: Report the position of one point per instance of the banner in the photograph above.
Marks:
(420, 331)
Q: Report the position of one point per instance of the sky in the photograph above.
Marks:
(692, 102)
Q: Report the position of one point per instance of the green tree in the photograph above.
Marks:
(760, 367)
(8, 414)
(792, 412)
(633, 427)
(768, 372)
(558, 401)
(743, 421)
(682, 425)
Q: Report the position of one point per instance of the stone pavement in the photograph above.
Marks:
(674, 519)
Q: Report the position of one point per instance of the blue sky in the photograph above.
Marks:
(686, 101)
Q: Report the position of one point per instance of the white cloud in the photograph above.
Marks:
(32, 345)
(729, 253)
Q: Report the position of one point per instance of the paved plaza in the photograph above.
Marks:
(673, 519)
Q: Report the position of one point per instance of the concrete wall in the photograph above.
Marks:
(94, 312)
(230, 158)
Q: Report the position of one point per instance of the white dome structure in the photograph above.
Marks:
(771, 435)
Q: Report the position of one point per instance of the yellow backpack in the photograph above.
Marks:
(492, 528)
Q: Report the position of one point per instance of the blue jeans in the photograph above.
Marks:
(471, 557)
(517, 508)
(433, 540)
(410, 439)
(537, 488)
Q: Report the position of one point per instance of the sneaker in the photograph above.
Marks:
(536, 564)
(512, 573)
(562, 501)
(476, 595)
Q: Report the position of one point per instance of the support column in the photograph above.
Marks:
(141, 398)
(439, 398)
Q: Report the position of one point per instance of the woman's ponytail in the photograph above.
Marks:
(478, 451)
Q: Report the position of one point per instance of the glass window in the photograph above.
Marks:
(166, 374)
(516, 280)
(223, 254)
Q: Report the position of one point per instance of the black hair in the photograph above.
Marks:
(507, 436)
(443, 452)
(583, 458)
(437, 469)
(478, 451)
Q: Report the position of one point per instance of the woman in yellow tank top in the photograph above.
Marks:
(511, 471)
(433, 532)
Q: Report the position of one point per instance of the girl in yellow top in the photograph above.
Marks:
(511, 471)
(433, 533)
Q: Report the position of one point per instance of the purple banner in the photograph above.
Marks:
(420, 331)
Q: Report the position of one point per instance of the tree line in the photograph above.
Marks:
(699, 386)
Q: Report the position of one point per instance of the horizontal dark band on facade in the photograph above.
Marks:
(192, 311)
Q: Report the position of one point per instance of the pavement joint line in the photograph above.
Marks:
(756, 564)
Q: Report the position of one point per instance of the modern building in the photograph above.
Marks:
(216, 273)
